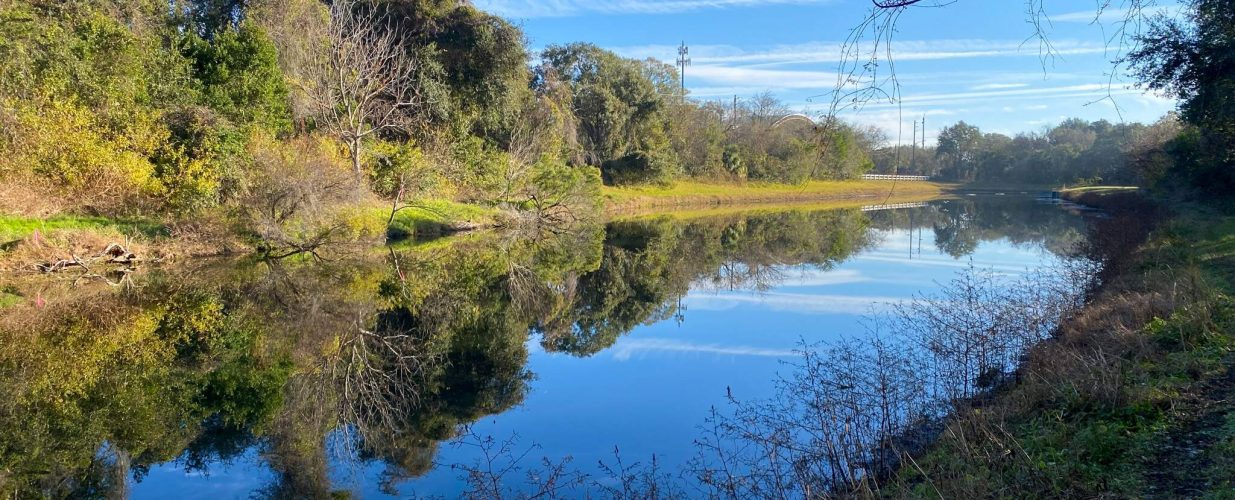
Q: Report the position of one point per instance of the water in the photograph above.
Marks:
(568, 346)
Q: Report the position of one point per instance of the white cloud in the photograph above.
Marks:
(999, 86)
(790, 302)
(526, 9)
(627, 347)
(830, 52)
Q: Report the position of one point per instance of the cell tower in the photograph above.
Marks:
(683, 62)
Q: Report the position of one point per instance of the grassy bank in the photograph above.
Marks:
(17, 228)
(690, 194)
(432, 218)
(64, 236)
(1134, 397)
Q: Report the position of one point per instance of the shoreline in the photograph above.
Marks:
(25, 240)
(1132, 396)
(626, 201)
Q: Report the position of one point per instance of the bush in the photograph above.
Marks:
(637, 167)
(303, 199)
(101, 169)
(237, 73)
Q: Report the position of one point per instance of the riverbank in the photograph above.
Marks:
(25, 241)
(626, 201)
(1133, 397)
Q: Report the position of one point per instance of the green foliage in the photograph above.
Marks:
(733, 163)
(237, 75)
(400, 170)
(621, 117)
(1192, 59)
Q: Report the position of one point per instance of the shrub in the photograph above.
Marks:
(237, 73)
(302, 198)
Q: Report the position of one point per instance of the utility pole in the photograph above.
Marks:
(683, 62)
(913, 150)
(923, 135)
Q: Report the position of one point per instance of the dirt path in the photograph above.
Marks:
(1184, 464)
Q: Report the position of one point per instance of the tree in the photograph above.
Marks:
(238, 75)
(364, 78)
(1194, 60)
(620, 116)
(960, 143)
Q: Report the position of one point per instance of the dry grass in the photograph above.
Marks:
(30, 199)
(691, 194)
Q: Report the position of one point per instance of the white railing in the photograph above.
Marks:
(892, 206)
(879, 177)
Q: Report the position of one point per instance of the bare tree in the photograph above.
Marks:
(365, 79)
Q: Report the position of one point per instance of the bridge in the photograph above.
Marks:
(794, 117)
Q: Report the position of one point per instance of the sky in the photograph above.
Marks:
(974, 60)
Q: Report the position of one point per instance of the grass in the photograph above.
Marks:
(756, 208)
(633, 199)
(437, 217)
(16, 228)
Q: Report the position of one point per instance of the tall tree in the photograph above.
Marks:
(1194, 60)
(364, 78)
(960, 143)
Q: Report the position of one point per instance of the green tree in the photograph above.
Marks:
(960, 145)
(237, 74)
(620, 115)
(1193, 59)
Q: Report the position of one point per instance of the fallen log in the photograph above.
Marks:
(115, 253)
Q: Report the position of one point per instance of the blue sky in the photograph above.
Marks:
(969, 61)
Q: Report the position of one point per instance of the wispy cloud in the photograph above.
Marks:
(628, 347)
(790, 302)
(1094, 90)
(526, 9)
(821, 52)
(817, 278)
(999, 86)
(1107, 16)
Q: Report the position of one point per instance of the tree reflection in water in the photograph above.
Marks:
(379, 357)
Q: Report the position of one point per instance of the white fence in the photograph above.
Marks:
(892, 206)
(877, 177)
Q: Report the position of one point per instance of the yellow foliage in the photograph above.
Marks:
(64, 359)
(64, 142)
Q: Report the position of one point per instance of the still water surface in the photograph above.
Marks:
(623, 336)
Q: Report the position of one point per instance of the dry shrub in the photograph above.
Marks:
(1088, 357)
(31, 197)
(201, 236)
(303, 199)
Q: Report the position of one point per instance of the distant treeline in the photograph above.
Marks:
(1075, 151)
